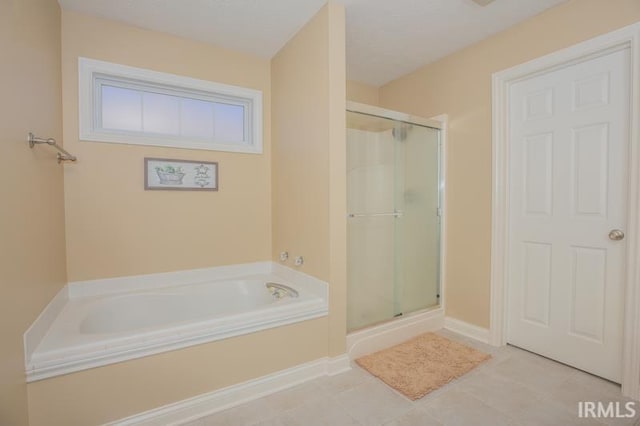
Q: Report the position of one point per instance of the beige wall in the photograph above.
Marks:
(337, 182)
(32, 259)
(460, 85)
(114, 226)
(362, 93)
(308, 80)
(300, 161)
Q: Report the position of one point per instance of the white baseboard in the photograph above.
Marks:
(391, 333)
(203, 405)
(338, 364)
(469, 330)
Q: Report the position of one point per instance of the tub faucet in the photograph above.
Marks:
(278, 291)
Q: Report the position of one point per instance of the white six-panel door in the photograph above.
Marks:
(568, 143)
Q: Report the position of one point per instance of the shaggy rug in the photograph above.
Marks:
(422, 364)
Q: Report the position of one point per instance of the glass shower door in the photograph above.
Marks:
(393, 226)
(417, 229)
(370, 228)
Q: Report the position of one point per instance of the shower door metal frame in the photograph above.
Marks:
(440, 123)
(375, 111)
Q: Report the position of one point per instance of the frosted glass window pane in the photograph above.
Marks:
(197, 119)
(121, 109)
(229, 122)
(161, 114)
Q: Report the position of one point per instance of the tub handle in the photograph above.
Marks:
(279, 291)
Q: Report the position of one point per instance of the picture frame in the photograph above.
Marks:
(166, 174)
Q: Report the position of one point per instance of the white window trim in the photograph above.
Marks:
(90, 69)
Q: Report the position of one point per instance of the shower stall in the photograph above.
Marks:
(394, 193)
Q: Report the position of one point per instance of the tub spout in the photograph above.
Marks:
(278, 291)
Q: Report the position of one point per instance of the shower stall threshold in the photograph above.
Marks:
(381, 336)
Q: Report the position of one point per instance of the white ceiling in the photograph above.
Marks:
(385, 38)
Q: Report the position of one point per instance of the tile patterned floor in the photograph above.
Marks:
(514, 388)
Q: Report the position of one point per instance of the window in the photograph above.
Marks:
(122, 104)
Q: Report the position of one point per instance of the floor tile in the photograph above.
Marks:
(581, 386)
(373, 403)
(199, 422)
(344, 381)
(248, 414)
(453, 385)
(457, 408)
(554, 415)
(505, 395)
(275, 421)
(415, 417)
(627, 421)
(540, 374)
(296, 396)
(320, 412)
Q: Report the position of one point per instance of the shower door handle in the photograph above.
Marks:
(394, 214)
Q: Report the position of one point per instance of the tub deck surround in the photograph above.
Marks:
(95, 323)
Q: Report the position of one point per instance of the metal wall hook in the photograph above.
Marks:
(62, 155)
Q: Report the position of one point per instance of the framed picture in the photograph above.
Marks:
(180, 175)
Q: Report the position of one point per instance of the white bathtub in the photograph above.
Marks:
(98, 323)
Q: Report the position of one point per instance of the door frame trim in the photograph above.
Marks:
(626, 37)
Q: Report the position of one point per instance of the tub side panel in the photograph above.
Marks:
(120, 390)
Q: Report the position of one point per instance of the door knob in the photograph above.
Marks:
(616, 235)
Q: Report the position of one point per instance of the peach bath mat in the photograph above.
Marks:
(422, 364)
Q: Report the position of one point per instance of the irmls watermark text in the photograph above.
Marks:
(611, 410)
